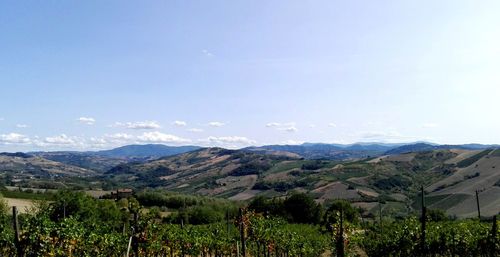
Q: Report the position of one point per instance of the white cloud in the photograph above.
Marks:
(289, 127)
(179, 123)
(21, 125)
(158, 137)
(216, 124)
(195, 130)
(227, 141)
(389, 137)
(14, 138)
(86, 120)
(138, 125)
(59, 140)
(273, 124)
(292, 142)
(207, 53)
(332, 125)
(120, 136)
(430, 125)
(312, 125)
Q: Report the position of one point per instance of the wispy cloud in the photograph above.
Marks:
(292, 142)
(389, 137)
(21, 125)
(227, 141)
(62, 139)
(195, 130)
(179, 123)
(158, 137)
(332, 125)
(207, 53)
(86, 120)
(14, 138)
(138, 125)
(289, 127)
(216, 124)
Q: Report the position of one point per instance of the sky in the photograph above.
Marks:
(88, 75)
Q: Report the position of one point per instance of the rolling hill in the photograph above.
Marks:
(327, 151)
(394, 179)
(102, 161)
(24, 165)
(392, 174)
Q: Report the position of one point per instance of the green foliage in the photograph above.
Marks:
(302, 208)
(46, 196)
(169, 200)
(437, 215)
(394, 182)
(279, 186)
(451, 238)
(469, 161)
(350, 213)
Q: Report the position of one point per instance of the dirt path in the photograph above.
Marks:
(23, 205)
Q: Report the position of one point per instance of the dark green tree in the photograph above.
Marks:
(301, 208)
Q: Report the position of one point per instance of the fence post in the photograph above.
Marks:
(423, 220)
(16, 231)
(135, 241)
(380, 215)
(478, 208)
(340, 237)
(242, 233)
(494, 238)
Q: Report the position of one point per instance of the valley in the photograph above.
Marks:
(373, 175)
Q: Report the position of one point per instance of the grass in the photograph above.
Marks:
(496, 152)
(451, 201)
(28, 195)
(471, 160)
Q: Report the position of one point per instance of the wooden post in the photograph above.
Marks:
(227, 222)
(237, 249)
(380, 214)
(494, 238)
(242, 233)
(16, 231)
(424, 216)
(478, 208)
(135, 240)
(340, 239)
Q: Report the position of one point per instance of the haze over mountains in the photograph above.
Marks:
(363, 173)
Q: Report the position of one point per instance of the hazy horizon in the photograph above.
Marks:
(96, 75)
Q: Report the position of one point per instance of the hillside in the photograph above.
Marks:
(395, 179)
(146, 151)
(327, 151)
(102, 161)
(84, 160)
(24, 165)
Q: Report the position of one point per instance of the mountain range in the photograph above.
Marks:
(364, 173)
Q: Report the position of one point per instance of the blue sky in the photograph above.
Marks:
(98, 74)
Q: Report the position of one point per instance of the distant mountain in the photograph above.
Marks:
(27, 166)
(328, 151)
(86, 160)
(104, 160)
(420, 147)
(150, 150)
(244, 174)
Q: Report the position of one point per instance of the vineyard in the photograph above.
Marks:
(100, 228)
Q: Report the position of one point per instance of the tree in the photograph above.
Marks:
(301, 208)
(332, 215)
